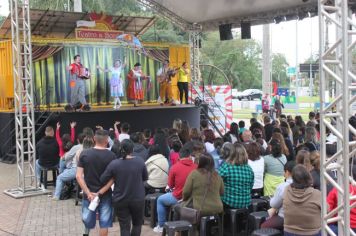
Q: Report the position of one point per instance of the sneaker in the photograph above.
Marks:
(115, 107)
(158, 229)
(55, 198)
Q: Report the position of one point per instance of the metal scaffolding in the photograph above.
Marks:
(194, 34)
(335, 65)
(24, 105)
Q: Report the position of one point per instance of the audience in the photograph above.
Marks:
(302, 205)
(276, 213)
(47, 150)
(209, 138)
(177, 176)
(258, 166)
(204, 187)
(128, 173)
(234, 132)
(139, 150)
(274, 167)
(238, 179)
(157, 168)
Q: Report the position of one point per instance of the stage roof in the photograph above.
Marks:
(61, 24)
(211, 13)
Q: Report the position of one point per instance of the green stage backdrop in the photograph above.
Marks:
(52, 79)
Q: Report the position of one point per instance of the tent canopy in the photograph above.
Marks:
(211, 13)
(62, 24)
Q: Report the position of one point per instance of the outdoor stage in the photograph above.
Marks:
(146, 116)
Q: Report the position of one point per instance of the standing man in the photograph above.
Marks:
(164, 76)
(77, 84)
(183, 82)
(278, 105)
(92, 164)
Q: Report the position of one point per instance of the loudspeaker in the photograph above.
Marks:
(225, 32)
(245, 30)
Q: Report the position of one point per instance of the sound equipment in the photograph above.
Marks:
(245, 30)
(84, 73)
(225, 32)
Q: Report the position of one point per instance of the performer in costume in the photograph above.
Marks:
(77, 84)
(183, 83)
(116, 83)
(135, 87)
(164, 76)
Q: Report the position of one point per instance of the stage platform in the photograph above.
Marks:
(150, 116)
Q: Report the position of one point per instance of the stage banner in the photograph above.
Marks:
(52, 78)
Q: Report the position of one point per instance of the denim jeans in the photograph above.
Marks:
(62, 165)
(66, 175)
(164, 201)
(104, 209)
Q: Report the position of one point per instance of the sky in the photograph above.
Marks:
(283, 36)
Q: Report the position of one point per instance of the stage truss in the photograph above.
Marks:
(194, 34)
(24, 104)
(335, 65)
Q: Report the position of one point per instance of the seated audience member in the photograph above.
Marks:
(274, 168)
(160, 139)
(258, 166)
(246, 136)
(195, 135)
(268, 127)
(139, 149)
(312, 117)
(177, 176)
(288, 143)
(129, 173)
(198, 149)
(65, 143)
(157, 168)
(302, 205)
(310, 139)
(209, 138)
(315, 172)
(124, 128)
(277, 134)
(303, 158)
(241, 126)
(332, 201)
(234, 132)
(238, 179)
(69, 172)
(204, 124)
(148, 135)
(177, 124)
(47, 150)
(184, 133)
(216, 154)
(258, 135)
(203, 188)
(276, 212)
(174, 153)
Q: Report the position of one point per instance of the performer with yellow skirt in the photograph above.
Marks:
(164, 76)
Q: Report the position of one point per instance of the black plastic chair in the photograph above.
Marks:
(207, 222)
(177, 226)
(256, 219)
(151, 207)
(258, 204)
(44, 176)
(232, 215)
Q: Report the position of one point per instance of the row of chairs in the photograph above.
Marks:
(246, 220)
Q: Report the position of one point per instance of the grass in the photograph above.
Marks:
(247, 113)
(306, 99)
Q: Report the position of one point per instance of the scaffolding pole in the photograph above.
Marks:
(24, 103)
(335, 66)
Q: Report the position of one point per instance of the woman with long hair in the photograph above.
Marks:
(278, 136)
(129, 174)
(274, 167)
(234, 132)
(257, 164)
(204, 187)
(238, 178)
(160, 139)
(209, 138)
(184, 132)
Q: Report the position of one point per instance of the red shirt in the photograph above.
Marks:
(174, 157)
(178, 175)
(75, 68)
(332, 201)
(59, 140)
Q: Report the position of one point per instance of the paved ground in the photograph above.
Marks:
(41, 215)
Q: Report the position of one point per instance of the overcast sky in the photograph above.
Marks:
(283, 36)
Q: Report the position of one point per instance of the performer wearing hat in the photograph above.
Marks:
(135, 88)
(164, 76)
(77, 84)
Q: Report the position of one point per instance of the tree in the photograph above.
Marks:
(239, 59)
(279, 70)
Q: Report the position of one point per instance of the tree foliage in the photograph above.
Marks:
(279, 70)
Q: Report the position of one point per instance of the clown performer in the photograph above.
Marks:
(135, 87)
